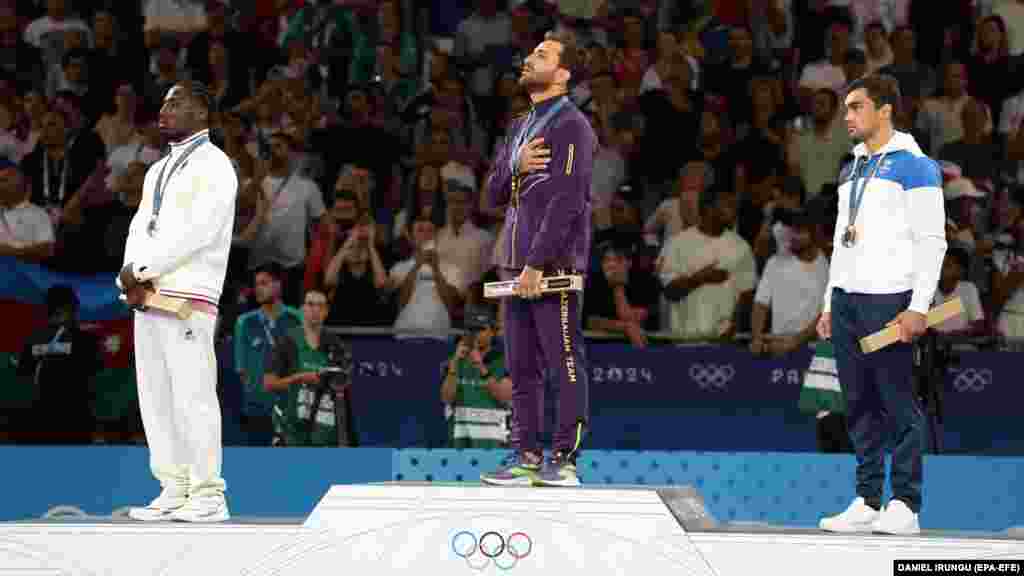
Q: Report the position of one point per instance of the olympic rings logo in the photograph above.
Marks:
(491, 547)
(972, 379)
(712, 376)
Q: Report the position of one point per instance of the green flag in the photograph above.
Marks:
(821, 390)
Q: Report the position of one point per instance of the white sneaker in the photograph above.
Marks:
(897, 518)
(858, 517)
(212, 508)
(171, 499)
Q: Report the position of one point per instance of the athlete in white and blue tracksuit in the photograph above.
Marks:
(888, 264)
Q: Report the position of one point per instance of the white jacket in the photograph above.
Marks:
(901, 225)
(187, 256)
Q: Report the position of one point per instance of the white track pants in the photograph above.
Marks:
(176, 370)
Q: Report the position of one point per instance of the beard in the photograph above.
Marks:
(534, 81)
(859, 136)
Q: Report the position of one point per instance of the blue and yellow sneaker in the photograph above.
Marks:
(519, 469)
(558, 470)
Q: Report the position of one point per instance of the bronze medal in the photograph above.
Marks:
(850, 237)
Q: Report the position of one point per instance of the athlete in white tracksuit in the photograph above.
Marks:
(178, 245)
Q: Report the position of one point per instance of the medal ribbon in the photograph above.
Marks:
(158, 192)
(528, 130)
(857, 195)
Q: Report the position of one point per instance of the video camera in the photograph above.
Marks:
(336, 375)
(335, 378)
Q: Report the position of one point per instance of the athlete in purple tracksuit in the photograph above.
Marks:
(542, 174)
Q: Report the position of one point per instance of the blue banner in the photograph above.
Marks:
(28, 283)
(679, 398)
(396, 396)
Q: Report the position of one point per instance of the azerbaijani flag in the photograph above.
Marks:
(23, 311)
(821, 390)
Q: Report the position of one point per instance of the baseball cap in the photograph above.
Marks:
(961, 188)
(478, 317)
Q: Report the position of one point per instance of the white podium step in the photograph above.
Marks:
(563, 531)
(450, 530)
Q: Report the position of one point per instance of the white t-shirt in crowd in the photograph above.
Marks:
(822, 74)
(122, 156)
(969, 297)
(792, 289)
(1011, 319)
(25, 225)
(425, 310)
(293, 208)
(41, 27)
(1012, 13)
(469, 251)
(1012, 113)
(708, 310)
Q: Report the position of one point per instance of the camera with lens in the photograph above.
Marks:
(334, 383)
(335, 376)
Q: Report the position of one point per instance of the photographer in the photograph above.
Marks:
(358, 281)
(476, 387)
(429, 290)
(315, 369)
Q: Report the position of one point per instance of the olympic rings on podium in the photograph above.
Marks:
(504, 552)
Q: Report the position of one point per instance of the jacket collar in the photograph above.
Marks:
(190, 139)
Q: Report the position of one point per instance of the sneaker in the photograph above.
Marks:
(897, 518)
(519, 469)
(859, 517)
(558, 471)
(171, 498)
(213, 508)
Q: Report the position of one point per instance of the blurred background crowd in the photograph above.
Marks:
(362, 132)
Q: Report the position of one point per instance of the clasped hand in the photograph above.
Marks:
(134, 291)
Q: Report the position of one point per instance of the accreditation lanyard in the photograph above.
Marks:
(62, 186)
(8, 229)
(158, 192)
(530, 128)
(857, 195)
(49, 349)
(280, 188)
(268, 327)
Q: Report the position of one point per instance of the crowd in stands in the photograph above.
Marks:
(362, 131)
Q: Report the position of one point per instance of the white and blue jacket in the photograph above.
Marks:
(901, 225)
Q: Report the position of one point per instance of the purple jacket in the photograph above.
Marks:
(549, 225)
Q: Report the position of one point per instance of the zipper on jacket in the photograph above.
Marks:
(515, 219)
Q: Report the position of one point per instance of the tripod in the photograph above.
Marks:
(932, 358)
